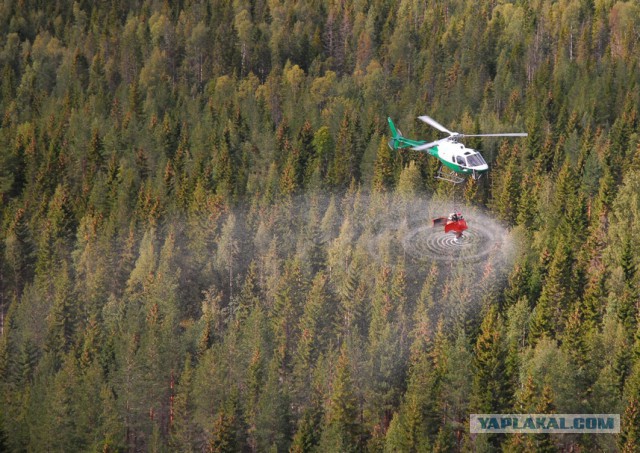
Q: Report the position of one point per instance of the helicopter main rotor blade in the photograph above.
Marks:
(426, 146)
(431, 122)
(508, 134)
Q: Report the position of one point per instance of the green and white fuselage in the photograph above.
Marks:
(459, 158)
(451, 153)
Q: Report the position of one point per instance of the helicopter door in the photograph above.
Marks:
(461, 161)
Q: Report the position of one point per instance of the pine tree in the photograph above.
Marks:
(19, 250)
(250, 294)
(64, 316)
(182, 436)
(410, 181)
(135, 100)
(490, 389)
(315, 329)
(304, 143)
(290, 174)
(387, 346)
(96, 152)
(527, 205)
(455, 365)
(556, 293)
(348, 152)
(529, 399)
(408, 430)
(505, 184)
(576, 342)
(383, 172)
(286, 312)
(223, 436)
(225, 167)
(630, 423)
(228, 249)
(627, 310)
(273, 417)
(307, 435)
(518, 284)
(63, 406)
(472, 192)
(544, 442)
(342, 430)
(323, 145)
(595, 294)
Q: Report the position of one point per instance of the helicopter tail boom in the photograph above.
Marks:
(399, 141)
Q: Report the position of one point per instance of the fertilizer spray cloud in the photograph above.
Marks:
(409, 221)
(372, 231)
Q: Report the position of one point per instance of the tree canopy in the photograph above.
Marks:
(191, 252)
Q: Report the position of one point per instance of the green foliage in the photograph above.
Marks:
(490, 388)
(628, 441)
(173, 277)
(383, 173)
(342, 428)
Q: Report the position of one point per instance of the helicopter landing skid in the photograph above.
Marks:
(449, 176)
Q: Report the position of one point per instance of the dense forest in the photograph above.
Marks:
(201, 224)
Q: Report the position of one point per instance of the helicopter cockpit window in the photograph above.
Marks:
(475, 160)
(460, 161)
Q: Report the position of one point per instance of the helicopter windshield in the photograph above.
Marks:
(475, 160)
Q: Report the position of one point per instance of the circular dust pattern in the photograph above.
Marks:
(426, 243)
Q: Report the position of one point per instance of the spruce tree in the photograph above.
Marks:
(383, 172)
(630, 432)
(342, 430)
(490, 389)
(223, 435)
(181, 427)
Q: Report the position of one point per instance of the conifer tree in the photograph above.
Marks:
(456, 369)
(627, 310)
(290, 174)
(342, 430)
(306, 437)
(317, 317)
(306, 153)
(518, 283)
(228, 250)
(556, 293)
(527, 206)
(63, 317)
(577, 344)
(18, 250)
(408, 430)
(544, 442)
(386, 346)
(323, 145)
(410, 181)
(595, 291)
(273, 421)
(181, 420)
(348, 152)
(490, 389)
(629, 435)
(505, 184)
(383, 171)
(223, 436)
(64, 434)
(121, 167)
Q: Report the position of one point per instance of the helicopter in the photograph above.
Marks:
(457, 160)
